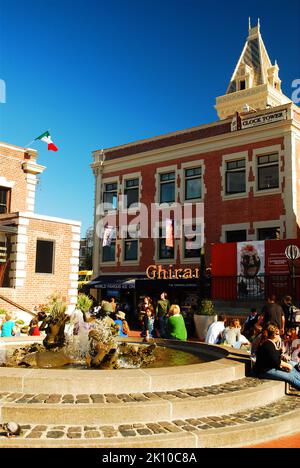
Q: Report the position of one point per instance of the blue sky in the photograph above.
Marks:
(103, 73)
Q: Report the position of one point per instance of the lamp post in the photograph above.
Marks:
(292, 252)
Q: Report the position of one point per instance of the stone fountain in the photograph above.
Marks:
(92, 342)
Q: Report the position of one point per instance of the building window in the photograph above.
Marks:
(131, 192)
(190, 250)
(110, 196)
(268, 172)
(242, 85)
(109, 252)
(165, 253)
(167, 187)
(193, 183)
(44, 257)
(268, 233)
(236, 177)
(130, 249)
(4, 200)
(236, 236)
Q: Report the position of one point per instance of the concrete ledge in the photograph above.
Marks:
(250, 434)
(144, 411)
(186, 440)
(239, 436)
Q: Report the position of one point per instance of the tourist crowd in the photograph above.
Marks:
(272, 336)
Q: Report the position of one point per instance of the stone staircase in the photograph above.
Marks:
(232, 414)
(208, 405)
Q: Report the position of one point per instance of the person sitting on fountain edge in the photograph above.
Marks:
(121, 322)
(148, 325)
(176, 329)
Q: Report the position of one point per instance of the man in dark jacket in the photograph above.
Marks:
(273, 313)
(288, 307)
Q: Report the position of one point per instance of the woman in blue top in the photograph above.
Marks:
(7, 326)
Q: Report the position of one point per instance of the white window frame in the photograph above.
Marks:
(131, 262)
(192, 165)
(126, 177)
(236, 227)
(165, 170)
(110, 180)
(184, 259)
(231, 158)
(269, 224)
(266, 151)
(165, 261)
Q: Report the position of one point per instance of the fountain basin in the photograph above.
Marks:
(218, 368)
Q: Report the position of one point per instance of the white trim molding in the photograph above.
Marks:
(235, 227)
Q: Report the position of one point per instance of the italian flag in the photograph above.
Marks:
(46, 137)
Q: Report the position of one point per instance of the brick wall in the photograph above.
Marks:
(11, 161)
(217, 211)
(32, 288)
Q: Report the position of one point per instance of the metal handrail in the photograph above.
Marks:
(18, 306)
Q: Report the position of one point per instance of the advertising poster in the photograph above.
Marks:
(251, 268)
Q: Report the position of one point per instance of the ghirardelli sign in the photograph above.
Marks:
(255, 121)
(170, 272)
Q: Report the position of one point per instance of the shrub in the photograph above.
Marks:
(84, 303)
(207, 308)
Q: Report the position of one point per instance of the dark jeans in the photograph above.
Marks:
(162, 323)
(293, 377)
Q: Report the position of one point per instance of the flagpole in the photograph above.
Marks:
(28, 144)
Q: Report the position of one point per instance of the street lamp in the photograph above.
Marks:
(292, 252)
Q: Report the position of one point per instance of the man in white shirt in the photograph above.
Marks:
(215, 331)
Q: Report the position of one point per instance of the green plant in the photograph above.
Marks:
(56, 306)
(84, 303)
(20, 322)
(3, 312)
(206, 308)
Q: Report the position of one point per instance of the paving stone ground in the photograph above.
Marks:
(283, 406)
(230, 387)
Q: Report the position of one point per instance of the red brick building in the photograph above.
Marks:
(39, 255)
(245, 168)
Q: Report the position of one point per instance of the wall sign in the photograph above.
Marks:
(169, 272)
(255, 121)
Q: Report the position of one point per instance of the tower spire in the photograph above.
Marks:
(255, 81)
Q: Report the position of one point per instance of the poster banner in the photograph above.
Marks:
(169, 233)
(251, 268)
(109, 233)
